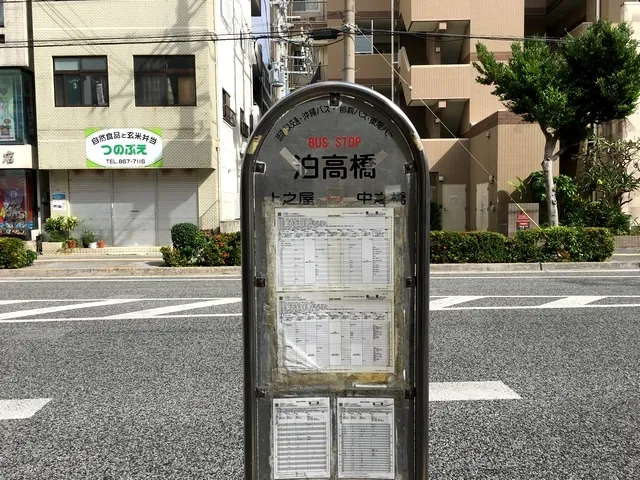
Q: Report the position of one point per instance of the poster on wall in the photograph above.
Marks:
(16, 215)
(59, 201)
(7, 124)
(124, 147)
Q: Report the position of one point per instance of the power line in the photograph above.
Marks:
(82, 42)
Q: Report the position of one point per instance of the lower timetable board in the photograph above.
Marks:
(302, 438)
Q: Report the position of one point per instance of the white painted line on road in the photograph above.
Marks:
(206, 278)
(446, 302)
(137, 317)
(467, 391)
(573, 301)
(21, 409)
(152, 312)
(12, 302)
(532, 276)
(58, 300)
(62, 308)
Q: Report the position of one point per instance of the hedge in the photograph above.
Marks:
(13, 254)
(193, 247)
(557, 244)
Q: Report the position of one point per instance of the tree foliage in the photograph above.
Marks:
(611, 170)
(585, 81)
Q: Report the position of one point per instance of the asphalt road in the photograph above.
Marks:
(157, 392)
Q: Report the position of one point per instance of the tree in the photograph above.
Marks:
(587, 80)
(612, 170)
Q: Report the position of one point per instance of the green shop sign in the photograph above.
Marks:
(124, 147)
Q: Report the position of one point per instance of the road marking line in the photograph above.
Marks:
(22, 408)
(530, 276)
(152, 312)
(62, 308)
(446, 302)
(466, 391)
(573, 301)
(538, 307)
(11, 302)
(130, 278)
(145, 317)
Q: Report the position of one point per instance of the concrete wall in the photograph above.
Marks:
(234, 75)
(15, 30)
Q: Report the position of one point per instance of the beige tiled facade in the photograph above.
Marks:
(475, 147)
(120, 30)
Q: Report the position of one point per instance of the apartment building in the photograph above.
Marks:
(19, 194)
(475, 147)
(142, 108)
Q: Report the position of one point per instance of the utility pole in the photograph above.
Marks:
(349, 41)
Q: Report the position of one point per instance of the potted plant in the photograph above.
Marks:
(88, 238)
(59, 228)
(100, 243)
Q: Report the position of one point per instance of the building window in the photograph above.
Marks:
(2, 13)
(81, 81)
(305, 6)
(227, 112)
(165, 80)
(244, 128)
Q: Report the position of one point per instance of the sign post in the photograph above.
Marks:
(335, 267)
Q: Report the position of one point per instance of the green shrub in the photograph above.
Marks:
(435, 217)
(540, 245)
(189, 243)
(469, 247)
(222, 249)
(192, 247)
(13, 254)
(585, 213)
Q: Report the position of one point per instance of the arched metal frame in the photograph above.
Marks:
(421, 387)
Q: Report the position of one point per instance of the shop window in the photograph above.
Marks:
(81, 81)
(18, 213)
(165, 80)
(16, 107)
(228, 114)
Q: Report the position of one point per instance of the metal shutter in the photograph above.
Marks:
(177, 200)
(134, 208)
(90, 194)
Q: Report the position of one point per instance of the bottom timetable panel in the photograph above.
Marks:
(302, 438)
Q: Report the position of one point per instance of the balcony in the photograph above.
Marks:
(433, 83)
(365, 8)
(308, 12)
(487, 17)
(373, 69)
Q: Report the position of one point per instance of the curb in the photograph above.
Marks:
(121, 272)
(533, 267)
(31, 272)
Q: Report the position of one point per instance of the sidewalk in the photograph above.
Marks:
(153, 265)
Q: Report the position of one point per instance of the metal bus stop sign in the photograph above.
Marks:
(335, 269)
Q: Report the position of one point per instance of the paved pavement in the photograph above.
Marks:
(140, 378)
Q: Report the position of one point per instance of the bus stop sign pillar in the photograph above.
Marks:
(335, 268)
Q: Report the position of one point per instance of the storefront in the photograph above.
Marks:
(18, 211)
(133, 207)
(18, 160)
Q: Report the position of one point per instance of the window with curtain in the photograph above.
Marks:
(165, 80)
(80, 81)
